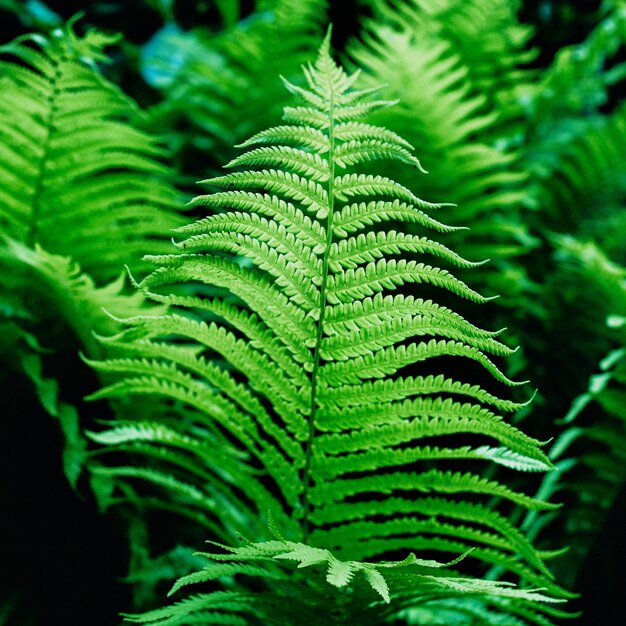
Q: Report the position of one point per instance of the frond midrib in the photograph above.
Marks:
(306, 504)
(40, 181)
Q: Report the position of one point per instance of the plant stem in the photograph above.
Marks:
(320, 322)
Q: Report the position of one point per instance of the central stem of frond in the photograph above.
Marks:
(320, 323)
(38, 190)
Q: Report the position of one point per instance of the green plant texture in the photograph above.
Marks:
(82, 191)
(290, 355)
(302, 397)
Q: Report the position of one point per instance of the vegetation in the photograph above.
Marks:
(308, 366)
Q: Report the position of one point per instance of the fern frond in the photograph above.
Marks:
(82, 191)
(590, 453)
(458, 104)
(288, 565)
(42, 288)
(76, 177)
(266, 353)
(587, 171)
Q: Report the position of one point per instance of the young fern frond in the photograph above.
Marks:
(290, 353)
(298, 574)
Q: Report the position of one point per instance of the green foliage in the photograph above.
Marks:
(76, 161)
(574, 155)
(295, 595)
(590, 452)
(300, 354)
(457, 103)
(222, 87)
(82, 192)
(284, 354)
(81, 188)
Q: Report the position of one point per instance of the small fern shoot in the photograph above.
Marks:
(292, 355)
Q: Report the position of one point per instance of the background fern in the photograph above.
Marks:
(590, 451)
(82, 190)
(454, 103)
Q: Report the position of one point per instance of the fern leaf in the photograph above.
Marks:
(270, 352)
(76, 167)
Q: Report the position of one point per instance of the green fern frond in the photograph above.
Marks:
(590, 453)
(458, 103)
(486, 34)
(576, 85)
(278, 323)
(584, 185)
(41, 289)
(76, 177)
(281, 562)
(81, 192)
